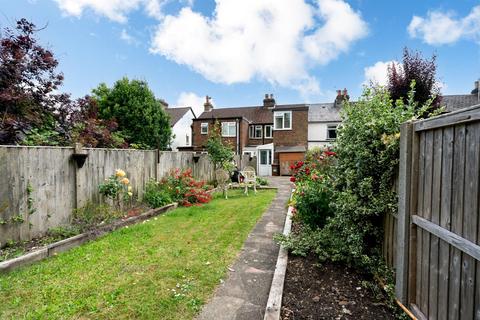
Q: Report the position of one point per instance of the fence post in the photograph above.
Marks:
(404, 198)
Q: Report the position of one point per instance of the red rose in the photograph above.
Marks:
(292, 179)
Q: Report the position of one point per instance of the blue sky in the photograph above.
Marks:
(235, 51)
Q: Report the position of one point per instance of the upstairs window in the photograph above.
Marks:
(269, 131)
(204, 128)
(255, 132)
(332, 132)
(187, 140)
(283, 120)
(229, 129)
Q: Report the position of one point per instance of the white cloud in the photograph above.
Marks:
(125, 36)
(190, 99)
(378, 73)
(440, 28)
(274, 40)
(115, 10)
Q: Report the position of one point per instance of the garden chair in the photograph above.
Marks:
(222, 178)
(250, 179)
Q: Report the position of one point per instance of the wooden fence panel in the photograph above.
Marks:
(139, 166)
(50, 174)
(443, 268)
(445, 221)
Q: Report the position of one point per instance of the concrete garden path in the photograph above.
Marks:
(244, 294)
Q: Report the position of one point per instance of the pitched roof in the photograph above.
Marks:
(256, 114)
(324, 112)
(177, 113)
(459, 101)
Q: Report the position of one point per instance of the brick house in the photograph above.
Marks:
(276, 134)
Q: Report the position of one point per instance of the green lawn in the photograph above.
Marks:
(162, 269)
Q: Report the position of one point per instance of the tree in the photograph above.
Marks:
(28, 80)
(414, 68)
(221, 154)
(140, 116)
(91, 131)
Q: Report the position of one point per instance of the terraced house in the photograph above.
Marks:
(276, 134)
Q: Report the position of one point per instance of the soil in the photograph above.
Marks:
(330, 291)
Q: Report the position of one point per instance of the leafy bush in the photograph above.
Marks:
(116, 185)
(92, 214)
(312, 202)
(156, 194)
(184, 189)
(313, 187)
(262, 181)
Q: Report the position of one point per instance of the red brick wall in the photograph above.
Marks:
(199, 140)
(298, 136)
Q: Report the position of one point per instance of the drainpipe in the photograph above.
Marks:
(238, 136)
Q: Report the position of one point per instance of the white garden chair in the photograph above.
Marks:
(249, 179)
(222, 178)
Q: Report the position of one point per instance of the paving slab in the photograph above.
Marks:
(244, 294)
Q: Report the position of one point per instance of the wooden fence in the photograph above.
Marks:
(437, 261)
(43, 185)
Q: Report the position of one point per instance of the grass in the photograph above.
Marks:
(165, 268)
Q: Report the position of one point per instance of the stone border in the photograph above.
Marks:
(274, 304)
(75, 241)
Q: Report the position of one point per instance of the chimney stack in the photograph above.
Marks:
(342, 95)
(163, 103)
(268, 101)
(207, 106)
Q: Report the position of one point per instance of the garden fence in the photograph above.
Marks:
(42, 186)
(437, 252)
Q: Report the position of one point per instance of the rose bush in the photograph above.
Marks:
(184, 189)
(313, 187)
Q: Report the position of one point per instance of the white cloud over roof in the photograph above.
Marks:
(439, 28)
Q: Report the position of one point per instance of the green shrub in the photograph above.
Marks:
(262, 181)
(367, 150)
(60, 233)
(312, 202)
(93, 214)
(156, 195)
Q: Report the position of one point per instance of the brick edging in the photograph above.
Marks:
(75, 241)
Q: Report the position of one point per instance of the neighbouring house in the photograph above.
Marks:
(181, 122)
(459, 101)
(275, 134)
(324, 119)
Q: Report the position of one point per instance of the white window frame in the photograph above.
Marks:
(252, 132)
(282, 114)
(204, 125)
(330, 127)
(229, 125)
(271, 131)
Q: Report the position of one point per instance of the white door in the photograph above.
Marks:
(265, 162)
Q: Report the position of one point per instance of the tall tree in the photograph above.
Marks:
(140, 116)
(28, 80)
(414, 68)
